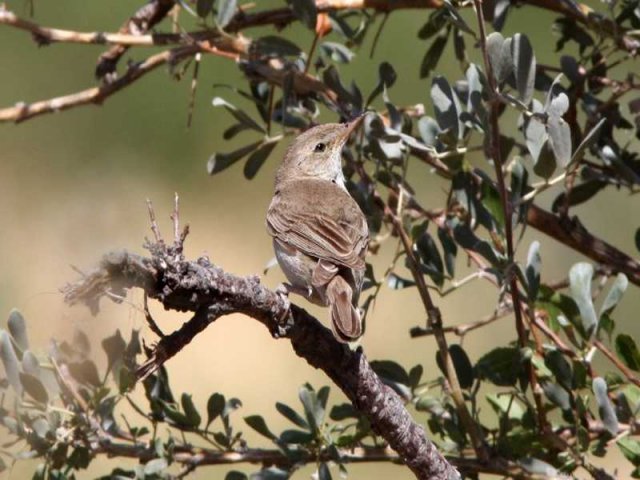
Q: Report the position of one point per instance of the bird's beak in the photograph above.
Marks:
(350, 127)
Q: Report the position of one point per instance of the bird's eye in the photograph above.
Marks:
(320, 147)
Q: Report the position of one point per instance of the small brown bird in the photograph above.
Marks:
(320, 235)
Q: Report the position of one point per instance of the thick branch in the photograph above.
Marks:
(573, 234)
(192, 286)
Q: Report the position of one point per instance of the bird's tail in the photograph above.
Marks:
(345, 318)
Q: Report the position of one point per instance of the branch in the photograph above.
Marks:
(95, 95)
(573, 234)
(202, 287)
(139, 23)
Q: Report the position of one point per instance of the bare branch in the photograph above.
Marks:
(203, 288)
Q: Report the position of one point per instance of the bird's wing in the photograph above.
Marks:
(321, 220)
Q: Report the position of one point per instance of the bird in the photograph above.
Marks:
(320, 235)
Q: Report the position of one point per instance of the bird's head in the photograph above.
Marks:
(316, 153)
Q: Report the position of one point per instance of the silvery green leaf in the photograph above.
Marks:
(305, 11)
(587, 141)
(615, 294)
(429, 130)
(239, 115)
(226, 11)
(337, 52)
(580, 285)
(18, 329)
(275, 46)
(524, 66)
(535, 133)
(605, 407)
(219, 161)
(499, 53)
(10, 361)
(446, 106)
(532, 270)
(456, 18)
(560, 139)
(539, 467)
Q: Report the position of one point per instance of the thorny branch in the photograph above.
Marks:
(209, 292)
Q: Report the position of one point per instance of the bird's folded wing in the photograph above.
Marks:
(338, 235)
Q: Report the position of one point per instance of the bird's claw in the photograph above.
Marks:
(285, 321)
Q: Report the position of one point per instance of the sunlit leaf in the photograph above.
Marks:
(580, 282)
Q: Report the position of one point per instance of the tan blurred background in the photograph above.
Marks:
(73, 186)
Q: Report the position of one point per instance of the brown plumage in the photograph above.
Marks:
(320, 235)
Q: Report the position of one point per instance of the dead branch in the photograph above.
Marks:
(201, 287)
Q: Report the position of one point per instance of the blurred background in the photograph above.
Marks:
(73, 186)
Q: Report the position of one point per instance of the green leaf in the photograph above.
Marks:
(18, 330)
(524, 66)
(85, 372)
(536, 466)
(434, 53)
(396, 282)
(446, 106)
(386, 78)
(462, 365)
(235, 475)
(466, 238)
(556, 394)
(274, 46)
(431, 261)
(309, 401)
(588, 140)
(193, 417)
(290, 414)
(415, 374)
(259, 425)
(114, 347)
(226, 11)
(257, 158)
(220, 161)
(450, 250)
(580, 282)
(506, 405)
(456, 18)
(215, 406)
(615, 294)
(437, 21)
(337, 52)
(240, 115)
(155, 466)
(532, 270)
(558, 364)
(605, 407)
(173, 414)
(204, 7)
(343, 411)
(627, 350)
(10, 362)
(393, 375)
(501, 366)
(296, 436)
(323, 472)
(34, 388)
(305, 11)
(630, 448)
(578, 194)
